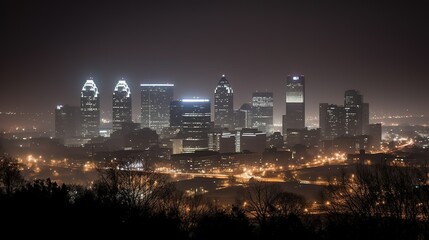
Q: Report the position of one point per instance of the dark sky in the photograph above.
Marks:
(49, 48)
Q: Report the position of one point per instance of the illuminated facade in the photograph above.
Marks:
(196, 117)
(295, 103)
(121, 105)
(331, 121)
(243, 140)
(356, 114)
(90, 109)
(223, 104)
(155, 105)
(352, 119)
(262, 111)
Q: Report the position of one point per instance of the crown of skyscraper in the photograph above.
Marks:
(90, 86)
(122, 86)
(223, 83)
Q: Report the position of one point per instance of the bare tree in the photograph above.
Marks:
(173, 204)
(261, 200)
(397, 192)
(290, 204)
(196, 207)
(189, 209)
(10, 175)
(133, 188)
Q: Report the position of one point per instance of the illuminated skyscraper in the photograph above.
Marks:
(262, 111)
(295, 103)
(331, 121)
(223, 104)
(196, 118)
(90, 109)
(121, 105)
(356, 113)
(352, 119)
(155, 105)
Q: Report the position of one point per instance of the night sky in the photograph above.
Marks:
(49, 48)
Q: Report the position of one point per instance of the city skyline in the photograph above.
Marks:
(242, 119)
(333, 46)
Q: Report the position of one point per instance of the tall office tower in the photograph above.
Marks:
(223, 104)
(243, 117)
(356, 113)
(176, 109)
(90, 109)
(331, 120)
(121, 105)
(262, 111)
(295, 103)
(155, 105)
(196, 123)
(67, 121)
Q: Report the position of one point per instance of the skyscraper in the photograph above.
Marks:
(90, 109)
(352, 119)
(331, 121)
(176, 113)
(295, 103)
(243, 117)
(262, 111)
(356, 113)
(67, 121)
(155, 105)
(196, 117)
(223, 104)
(121, 105)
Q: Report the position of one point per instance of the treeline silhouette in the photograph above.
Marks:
(376, 202)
